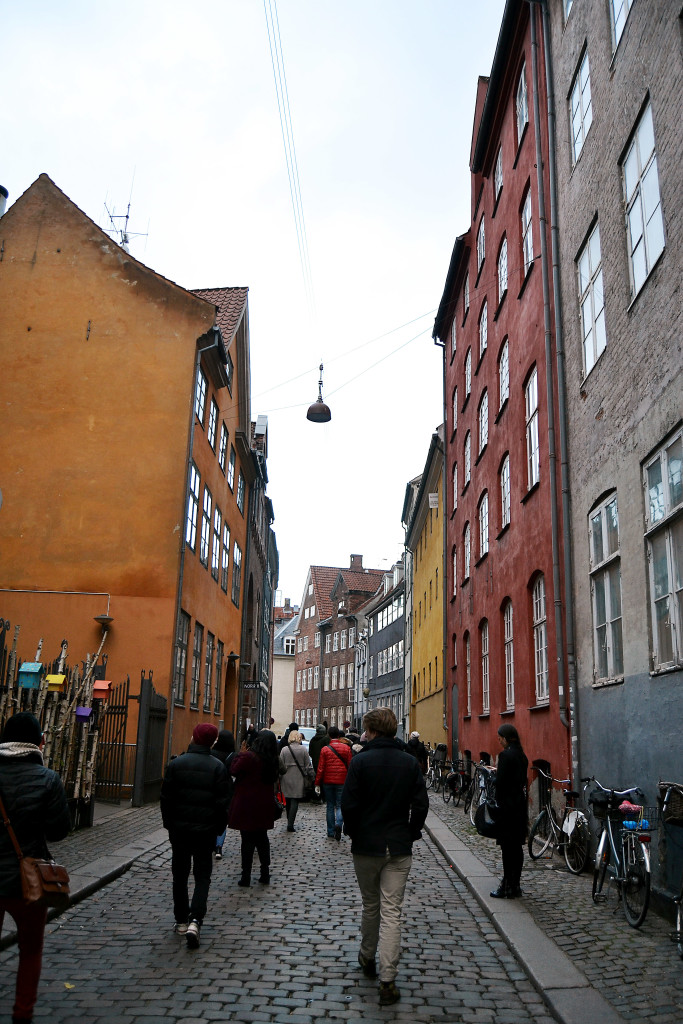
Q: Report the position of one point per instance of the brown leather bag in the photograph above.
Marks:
(43, 882)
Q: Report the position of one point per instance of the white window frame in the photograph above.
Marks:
(468, 373)
(503, 270)
(498, 175)
(453, 338)
(527, 234)
(485, 687)
(483, 328)
(505, 503)
(328, 643)
(455, 409)
(335, 642)
(467, 546)
(468, 672)
(200, 396)
(580, 107)
(483, 419)
(644, 219)
(455, 485)
(540, 641)
(481, 244)
(192, 507)
(205, 536)
(468, 457)
(509, 656)
(504, 374)
(619, 12)
(605, 583)
(664, 524)
(455, 569)
(533, 457)
(326, 680)
(213, 424)
(466, 295)
(484, 524)
(521, 104)
(591, 300)
(316, 677)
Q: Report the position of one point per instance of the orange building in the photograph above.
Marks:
(126, 465)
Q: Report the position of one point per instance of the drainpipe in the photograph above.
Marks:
(179, 602)
(552, 456)
(562, 402)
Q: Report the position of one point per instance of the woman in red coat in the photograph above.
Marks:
(252, 810)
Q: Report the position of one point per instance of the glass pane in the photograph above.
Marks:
(615, 592)
(594, 248)
(612, 520)
(601, 640)
(660, 568)
(600, 615)
(596, 532)
(655, 488)
(639, 266)
(674, 458)
(600, 336)
(646, 136)
(631, 174)
(617, 649)
(664, 638)
(677, 558)
(650, 190)
(584, 271)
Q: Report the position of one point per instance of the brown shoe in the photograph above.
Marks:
(388, 993)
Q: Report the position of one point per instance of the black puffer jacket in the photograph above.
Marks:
(195, 793)
(36, 805)
(511, 796)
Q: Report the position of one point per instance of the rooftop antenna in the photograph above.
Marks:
(123, 235)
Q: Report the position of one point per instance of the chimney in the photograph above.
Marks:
(357, 563)
(4, 195)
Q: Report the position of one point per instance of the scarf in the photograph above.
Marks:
(16, 749)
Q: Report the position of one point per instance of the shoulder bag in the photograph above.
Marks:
(44, 883)
(485, 819)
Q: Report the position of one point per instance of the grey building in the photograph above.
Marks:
(385, 638)
(617, 78)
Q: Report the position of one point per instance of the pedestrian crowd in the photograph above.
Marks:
(373, 786)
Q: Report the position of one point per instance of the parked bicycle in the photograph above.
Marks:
(671, 801)
(482, 785)
(457, 781)
(571, 834)
(623, 847)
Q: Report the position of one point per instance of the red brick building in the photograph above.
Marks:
(504, 553)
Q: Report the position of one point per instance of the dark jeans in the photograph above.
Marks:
(195, 853)
(513, 859)
(30, 922)
(292, 805)
(255, 840)
(333, 795)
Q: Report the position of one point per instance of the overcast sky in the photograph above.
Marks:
(177, 103)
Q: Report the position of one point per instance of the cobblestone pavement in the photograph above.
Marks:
(637, 970)
(281, 953)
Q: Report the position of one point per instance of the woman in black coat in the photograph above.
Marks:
(511, 797)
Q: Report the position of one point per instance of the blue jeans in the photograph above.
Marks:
(333, 793)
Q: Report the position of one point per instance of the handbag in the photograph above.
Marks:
(44, 883)
(308, 781)
(485, 819)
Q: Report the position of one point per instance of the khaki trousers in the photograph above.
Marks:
(382, 882)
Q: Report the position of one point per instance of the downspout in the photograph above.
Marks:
(562, 402)
(552, 457)
(183, 545)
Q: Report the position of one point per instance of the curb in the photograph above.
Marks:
(565, 989)
(88, 879)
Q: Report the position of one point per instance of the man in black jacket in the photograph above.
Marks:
(194, 808)
(384, 805)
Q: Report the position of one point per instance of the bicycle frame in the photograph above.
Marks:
(625, 854)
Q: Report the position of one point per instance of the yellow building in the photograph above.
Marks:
(424, 523)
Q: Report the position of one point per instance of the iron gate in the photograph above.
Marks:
(112, 746)
(149, 759)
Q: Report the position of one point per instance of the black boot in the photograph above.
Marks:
(502, 892)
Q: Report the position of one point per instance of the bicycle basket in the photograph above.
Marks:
(599, 801)
(644, 819)
(674, 809)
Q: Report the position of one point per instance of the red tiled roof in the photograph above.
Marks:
(230, 302)
(324, 578)
(366, 581)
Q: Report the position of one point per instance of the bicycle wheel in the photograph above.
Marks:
(467, 800)
(446, 792)
(679, 928)
(476, 797)
(602, 856)
(458, 791)
(540, 836)
(576, 845)
(635, 890)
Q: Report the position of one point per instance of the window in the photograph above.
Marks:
(481, 245)
(483, 329)
(483, 421)
(502, 270)
(213, 424)
(326, 679)
(540, 642)
(505, 492)
(509, 657)
(504, 374)
(342, 640)
(200, 397)
(335, 671)
(567, 8)
(592, 300)
(455, 485)
(454, 407)
(664, 497)
(206, 527)
(454, 555)
(606, 590)
(527, 235)
(223, 447)
(240, 492)
(290, 645)
(532, 452)
(335, 642)
(216, 547)
(498, 175)
(231, 469)
(208, 672)
(521, 105)
(316, 677)
(581, 109)
(468, 458)
(298, 681)
(192, 507)
(619, 10)
(310, 678)
(180, 664)
(305, 643)
(196, 663)
(349, 674)
(219, 677)
(328, 643)
(229, 371)
(453, 338)
(643, 202)
(468, 373)
(352, 635)
(236, 573)
(466, 546)
(466, 295)
(485, 698)
(468, 673)
(316, 640)
(484, 524)
(342, 677)
(225, 557)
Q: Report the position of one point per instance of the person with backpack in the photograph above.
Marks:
(333, 765)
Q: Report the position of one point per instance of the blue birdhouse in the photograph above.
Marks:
(29, 675)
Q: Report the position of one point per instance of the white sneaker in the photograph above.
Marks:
(180, 927)
(192, 935)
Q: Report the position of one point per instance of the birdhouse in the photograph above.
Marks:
(56, 683)
(29, 675)
(101, 689)
(83, 714)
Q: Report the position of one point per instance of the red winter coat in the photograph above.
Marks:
(253, 803)
(330, 769)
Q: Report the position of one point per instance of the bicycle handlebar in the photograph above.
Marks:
(615, 792)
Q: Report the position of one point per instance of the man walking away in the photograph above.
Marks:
(332, 767)
(416, 747)
(320, 740)
(384, 804)
(194, 808)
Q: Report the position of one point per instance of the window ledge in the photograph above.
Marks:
(481, 359)
(545, 706)
(479, 270)
(500, 306)
(466, 718)
(521, 143)
(496, 201)
(480, 560)
(480, 456)
(462, 493)
(507, 712)
(485, 714)
(465, 580)
(179, 703)
(665, 670)
(503, 530)
(454, 598)
(464, 404)
(453, 435)
(453, 355)
(526, 278)
(453, 513)
(464, 319)
(531, 491)
(501, 410)
(601, 684)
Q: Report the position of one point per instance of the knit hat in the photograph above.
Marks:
(414, 736)
(205, 734)
(22, 728)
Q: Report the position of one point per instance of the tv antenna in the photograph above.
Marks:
(121, 232)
